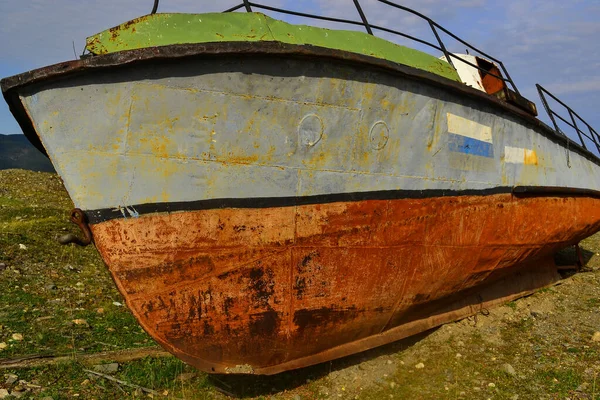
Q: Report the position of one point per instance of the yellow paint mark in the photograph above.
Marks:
(271, 153)
(386, 104)
(241, 158)
(518, 155)
(530, 157)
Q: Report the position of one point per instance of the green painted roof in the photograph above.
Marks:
(166, 29)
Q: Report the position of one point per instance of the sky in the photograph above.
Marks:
(552, 42)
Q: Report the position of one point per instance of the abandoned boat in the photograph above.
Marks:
(269, 196)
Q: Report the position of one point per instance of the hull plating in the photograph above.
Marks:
(255, 128)
(268, 289)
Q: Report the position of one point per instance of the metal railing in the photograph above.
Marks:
(435, 28)
(369, 27)
(591, 134)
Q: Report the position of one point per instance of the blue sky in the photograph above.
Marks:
(552, 42)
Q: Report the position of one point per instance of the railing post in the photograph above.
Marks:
(448, 58)
(247, 5)
(363, 17)
(578, 131)
(594, 135)
(509, 78)
(155, 8)
(547, 107)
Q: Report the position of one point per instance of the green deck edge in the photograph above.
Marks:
(166, 29)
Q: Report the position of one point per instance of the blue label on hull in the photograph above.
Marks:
(467, 145)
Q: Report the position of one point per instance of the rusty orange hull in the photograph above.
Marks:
(263, 290)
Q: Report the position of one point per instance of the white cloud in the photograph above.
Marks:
(585, 86)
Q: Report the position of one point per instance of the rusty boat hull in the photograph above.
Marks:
(266, 207)
(270, 289)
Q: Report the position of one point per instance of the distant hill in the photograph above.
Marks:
(17, 152)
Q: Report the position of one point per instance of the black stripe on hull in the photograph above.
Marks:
(106, 214)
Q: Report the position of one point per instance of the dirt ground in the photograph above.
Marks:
(60, 302)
